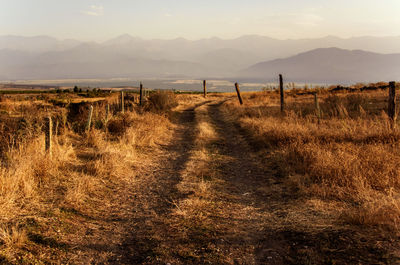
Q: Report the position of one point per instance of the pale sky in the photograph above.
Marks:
(98, 20)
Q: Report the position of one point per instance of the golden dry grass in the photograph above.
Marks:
(347, 167)
(350, 157)
(79, 174)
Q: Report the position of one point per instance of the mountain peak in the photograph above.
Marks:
(122, 39)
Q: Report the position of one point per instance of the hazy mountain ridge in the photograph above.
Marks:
(21, 57)
(329, 65)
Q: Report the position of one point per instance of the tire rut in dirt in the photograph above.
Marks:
(243, 168)
(155, 196)
(244, 175)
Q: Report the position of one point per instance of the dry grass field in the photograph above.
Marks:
(192, 180)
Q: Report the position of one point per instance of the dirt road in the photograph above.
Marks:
(212, 197)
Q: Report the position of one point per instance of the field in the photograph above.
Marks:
(185, 179)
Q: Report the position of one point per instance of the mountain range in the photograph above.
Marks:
(247, 57)
(330, 65)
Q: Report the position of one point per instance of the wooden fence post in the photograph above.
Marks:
(122, 102)
(238, 93)
(48, 134)
(89, 121)
(317, 108)
(205, 88)
(107, 112)
(282, 93)
(392, 102)
(141, 94)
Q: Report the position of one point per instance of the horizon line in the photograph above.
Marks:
(199, 39)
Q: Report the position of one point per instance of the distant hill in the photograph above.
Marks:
(90, 61)
(329, 65)
(127, 56)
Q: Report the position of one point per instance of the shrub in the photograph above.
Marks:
(78, 114)
(162, 101)
(118, 125)
(355, 102)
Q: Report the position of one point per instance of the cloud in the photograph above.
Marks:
(94, 10)
(303, 19)
(308, 19)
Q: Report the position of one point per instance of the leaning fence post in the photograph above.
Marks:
(238, 93)
(122, 102)
(392, 102)
(282, 93)
(48, 134)
(141, 94)
(317, 108)
(89, 121)
(205, 88)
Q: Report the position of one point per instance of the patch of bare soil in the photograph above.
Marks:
(155, 195)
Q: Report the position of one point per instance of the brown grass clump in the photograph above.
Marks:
(380, 210)
(28, 173)
(147, 130)
(162, 101)
(12, 240)
(28, 183)
(118, 125)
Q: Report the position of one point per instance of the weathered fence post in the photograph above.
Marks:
(282, 93)
(392, 102)
(122, 102)
(205, 88)
(107, 112)
(48, 134)
(89, 121)
(141, 94)
(238, 93)
(317, 108)
(56, 131)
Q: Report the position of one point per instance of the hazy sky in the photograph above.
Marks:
(103, 19)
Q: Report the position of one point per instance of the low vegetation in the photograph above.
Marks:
(39, 191)
(349, 157)
(187, 180)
